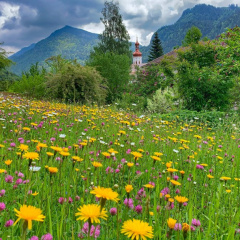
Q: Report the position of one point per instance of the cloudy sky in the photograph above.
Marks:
(23, 22)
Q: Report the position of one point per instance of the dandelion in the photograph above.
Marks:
(181, 200)
(105, 193)
(129, 188)
(23, 147)
(172, 170)
(171, 223)
(91, 213)
(8, 162)
(52, 170)
(129, 164)
(31, 155)
(28, 214)
(175, 183)
(96, 164)
(137, 229)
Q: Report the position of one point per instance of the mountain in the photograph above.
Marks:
(70, 42)
(76, 43)
(212, 21)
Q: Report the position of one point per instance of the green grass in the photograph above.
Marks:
(216, 145)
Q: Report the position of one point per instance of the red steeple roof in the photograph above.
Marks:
(137, 53)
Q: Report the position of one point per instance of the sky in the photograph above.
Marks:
(23, 22)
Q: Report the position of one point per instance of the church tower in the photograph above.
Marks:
(137, 55)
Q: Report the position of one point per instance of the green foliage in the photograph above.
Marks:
(131, 101)
(112, 55)
(32, 83)
(203, 54)
(228, 58)
(76, 83)
(212, 117)
(153, 77)
(4, 61)
(203, 88)
(162, 101)
(115, 37)
(193, 35)
(115, 69)
(7, 79)
(156, 48)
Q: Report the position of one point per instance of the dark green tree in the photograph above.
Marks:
(156, 48)
(193, 35)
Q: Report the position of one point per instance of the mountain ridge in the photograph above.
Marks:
(77, 43)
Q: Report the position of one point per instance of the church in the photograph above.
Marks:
(137, 58)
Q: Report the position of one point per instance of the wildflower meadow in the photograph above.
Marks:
(88, 172)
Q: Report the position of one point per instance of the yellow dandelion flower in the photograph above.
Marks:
(129, 188)
(136, 155)
(137, 229)
(35, 194)
(185, 227)
(2, 170)
(129, 164)
(228, 190)
(175, 183)
(210, 176)
(168, 164)
(49, 154)
(105, 193)
(8, 162)
(31, 155)
(225, 178)
(171, 223)
(171, 170)
(158, 154)
(155, 158)
(64, 154)
(106, 154)
(42, 145)
(148, 185)
(96, 164)
(52, 170)
(23, 147)
(56, 149)
(29, 213)
(76, 158)
(91, 212)
(181, 199)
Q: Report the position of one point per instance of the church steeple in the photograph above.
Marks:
(137, 55)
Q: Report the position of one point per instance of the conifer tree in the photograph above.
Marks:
(156, 48)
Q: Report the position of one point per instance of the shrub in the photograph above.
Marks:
(77, 83)
(32, 83)
(162, 101)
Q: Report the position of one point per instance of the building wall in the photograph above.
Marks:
(137, 60)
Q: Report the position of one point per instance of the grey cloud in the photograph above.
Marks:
(39, 18)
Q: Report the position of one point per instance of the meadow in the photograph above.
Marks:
(67, 168)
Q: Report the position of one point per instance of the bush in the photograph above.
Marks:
(162, 101)
(77, 84)
(131, 101)
(32, 83)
